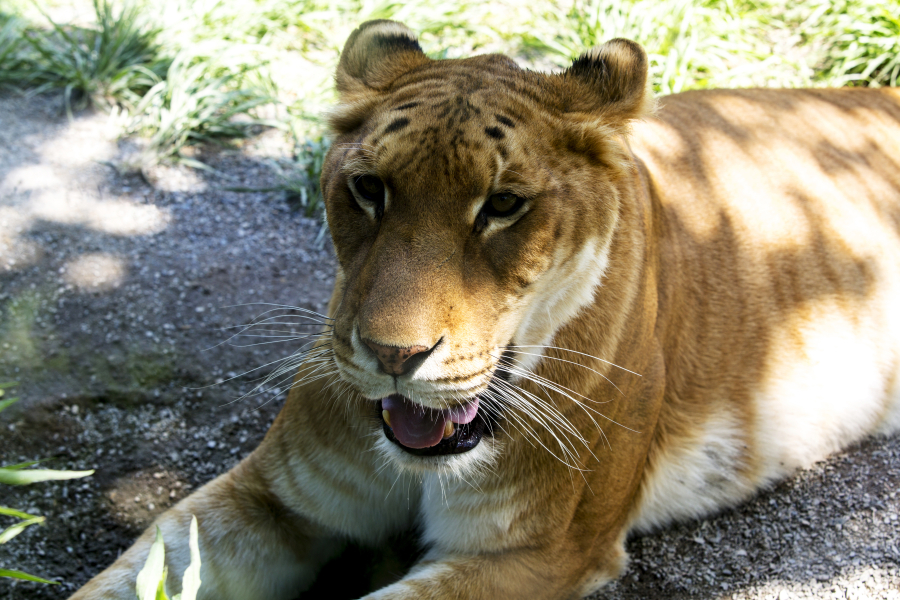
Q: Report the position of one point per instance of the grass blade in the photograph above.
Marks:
(14, 530)
(190, 584)
(26, 477)
(20, 575)
(151, 579)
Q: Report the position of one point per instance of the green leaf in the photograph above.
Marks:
(25, 477)
(161, 588)
(18, 466)
(151, 579)
(4, 404)
(14, 530)
(20, 575)
(191, 582)
(11, 512)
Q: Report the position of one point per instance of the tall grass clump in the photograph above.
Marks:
(15, 67)
(300, 180)
(199, 100)
(855, 42)
(112, 62)
(20, 474)
(690, 44)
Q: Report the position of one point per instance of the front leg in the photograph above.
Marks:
(251, 545)
(267, 526)
(530, 528)
(546, 573)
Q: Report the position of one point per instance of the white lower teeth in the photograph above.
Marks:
(449, 429)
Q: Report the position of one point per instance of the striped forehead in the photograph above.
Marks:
(457, 134)
(451, 116)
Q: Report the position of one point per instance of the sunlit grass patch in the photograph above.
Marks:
(690, 44)
(110, 63)
(200, 100)
(856, 42)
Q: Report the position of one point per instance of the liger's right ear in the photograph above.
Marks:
(375, 54)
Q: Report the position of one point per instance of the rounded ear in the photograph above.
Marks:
(609, 81)
(375, 54)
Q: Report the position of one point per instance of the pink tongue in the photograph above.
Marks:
(416, 426)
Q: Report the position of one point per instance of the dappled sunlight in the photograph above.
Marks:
(61, 181)
(86, 140)
(136, 498)
(15, 253)
(174, 178)
(117, 217)
(57, 203)
(29, 178)
(95, 272)
(19, 254)
(864, 582)
(786, 176)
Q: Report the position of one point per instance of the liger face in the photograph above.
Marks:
(469, 223)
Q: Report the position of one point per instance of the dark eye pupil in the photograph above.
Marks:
(370, 187)
(503, 204)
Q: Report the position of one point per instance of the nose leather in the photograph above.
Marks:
(394, 360)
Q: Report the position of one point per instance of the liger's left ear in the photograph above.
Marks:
(609, 82)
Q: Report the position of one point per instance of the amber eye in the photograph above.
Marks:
(370, 188)
(503, 204)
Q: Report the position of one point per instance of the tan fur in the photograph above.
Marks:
(737, 258)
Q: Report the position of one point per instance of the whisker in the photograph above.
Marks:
(573, 363)
(511, 398)
(582, 354)
(526, 373)
(562, 390)
(280, 306)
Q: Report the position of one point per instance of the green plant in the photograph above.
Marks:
(112, 63)
(201, 100)
(151, 581)
(15, 65)
(856, 42)
(301, 180)
(20, 474)
(690, 44)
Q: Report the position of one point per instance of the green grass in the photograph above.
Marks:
(857, 41)
(200, 100)
(194, 71)
(111, 63)
(151, 581)
(21, 474)
(15, 68)
(300, 179)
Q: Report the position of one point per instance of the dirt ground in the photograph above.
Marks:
(115, 301)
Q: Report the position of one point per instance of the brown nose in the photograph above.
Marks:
(396, 361)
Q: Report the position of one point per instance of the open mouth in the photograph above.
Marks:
(426, 431)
